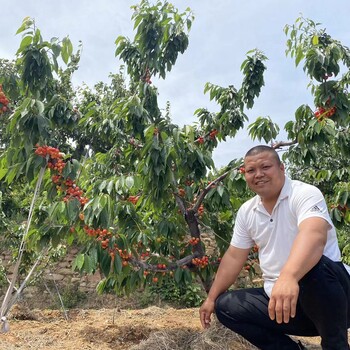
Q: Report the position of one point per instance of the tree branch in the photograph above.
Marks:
(283, 144)
(207, 189)
(172, 266)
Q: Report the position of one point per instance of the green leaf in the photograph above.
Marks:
(220, 190)
(70, 239)
(101, 286)
(187, 276)
(119, 39)
(12, 173)
(299, 56)
(178, 275)
(67, 50)
(61, 207)
(343, 198)
(105, 263)
(79, 261)
(37, 36)
(315, 40)
(26, 23)
(67, 169)
(88, 266)
(73, 209)
(110, 186)
(129, 182)
(40, 106)
(347, 216)
(136, 24)
(56, 49)
(337, 215)
(3, 172)
(26, 41)
(93, 256)
(117, 263)
(189, 24)
(102, 185)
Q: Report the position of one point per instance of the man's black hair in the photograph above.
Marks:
(263, 148)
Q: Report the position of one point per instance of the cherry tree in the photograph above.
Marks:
(137, 192)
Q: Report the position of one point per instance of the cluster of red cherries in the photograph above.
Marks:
(3, 101)
(322, 113)
(56, 163)
(212, 135)
(201, 262)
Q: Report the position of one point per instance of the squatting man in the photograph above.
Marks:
(306, 286)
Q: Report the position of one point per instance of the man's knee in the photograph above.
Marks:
(323, 276)
(221, 304)
(324, 296)
(240, 304)
(226, 310)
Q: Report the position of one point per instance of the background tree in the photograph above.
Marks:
(319, 139)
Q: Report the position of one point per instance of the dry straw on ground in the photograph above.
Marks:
(216, 337)
(120, 329)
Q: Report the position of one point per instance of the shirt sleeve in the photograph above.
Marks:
(241, 237)
(310, 203)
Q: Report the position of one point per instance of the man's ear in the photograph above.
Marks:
(282, 167)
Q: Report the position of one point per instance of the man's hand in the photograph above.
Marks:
(306, 251)
(205, 312)
(283, 299)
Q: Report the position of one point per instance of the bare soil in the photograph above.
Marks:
(105, 329)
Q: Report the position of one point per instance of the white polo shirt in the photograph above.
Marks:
(274, 234)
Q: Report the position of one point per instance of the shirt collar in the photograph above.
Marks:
(286, 189)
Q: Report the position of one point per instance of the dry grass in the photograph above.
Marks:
(217, 337)
(120, 329)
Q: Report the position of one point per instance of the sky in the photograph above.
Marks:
(222, 33)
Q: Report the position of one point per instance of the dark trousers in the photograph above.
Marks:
(323, 310)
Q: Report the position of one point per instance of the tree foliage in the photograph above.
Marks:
(135, 190)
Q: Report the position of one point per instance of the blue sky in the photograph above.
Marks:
(222, 33)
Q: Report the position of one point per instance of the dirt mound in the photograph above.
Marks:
(118, 329)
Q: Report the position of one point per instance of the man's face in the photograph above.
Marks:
(264, 175)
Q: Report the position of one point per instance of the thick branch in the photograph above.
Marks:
(284, 144)
(178, 199)
(192, 223)
(172, 266)
(207, 189)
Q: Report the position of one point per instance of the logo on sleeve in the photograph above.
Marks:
(315, 209)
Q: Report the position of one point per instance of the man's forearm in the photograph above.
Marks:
(222, 281)
(228, 271)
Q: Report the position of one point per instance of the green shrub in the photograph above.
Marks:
(70, 295)
(344, 243)
(167, 291)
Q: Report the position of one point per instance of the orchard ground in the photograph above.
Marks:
(154, 327)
